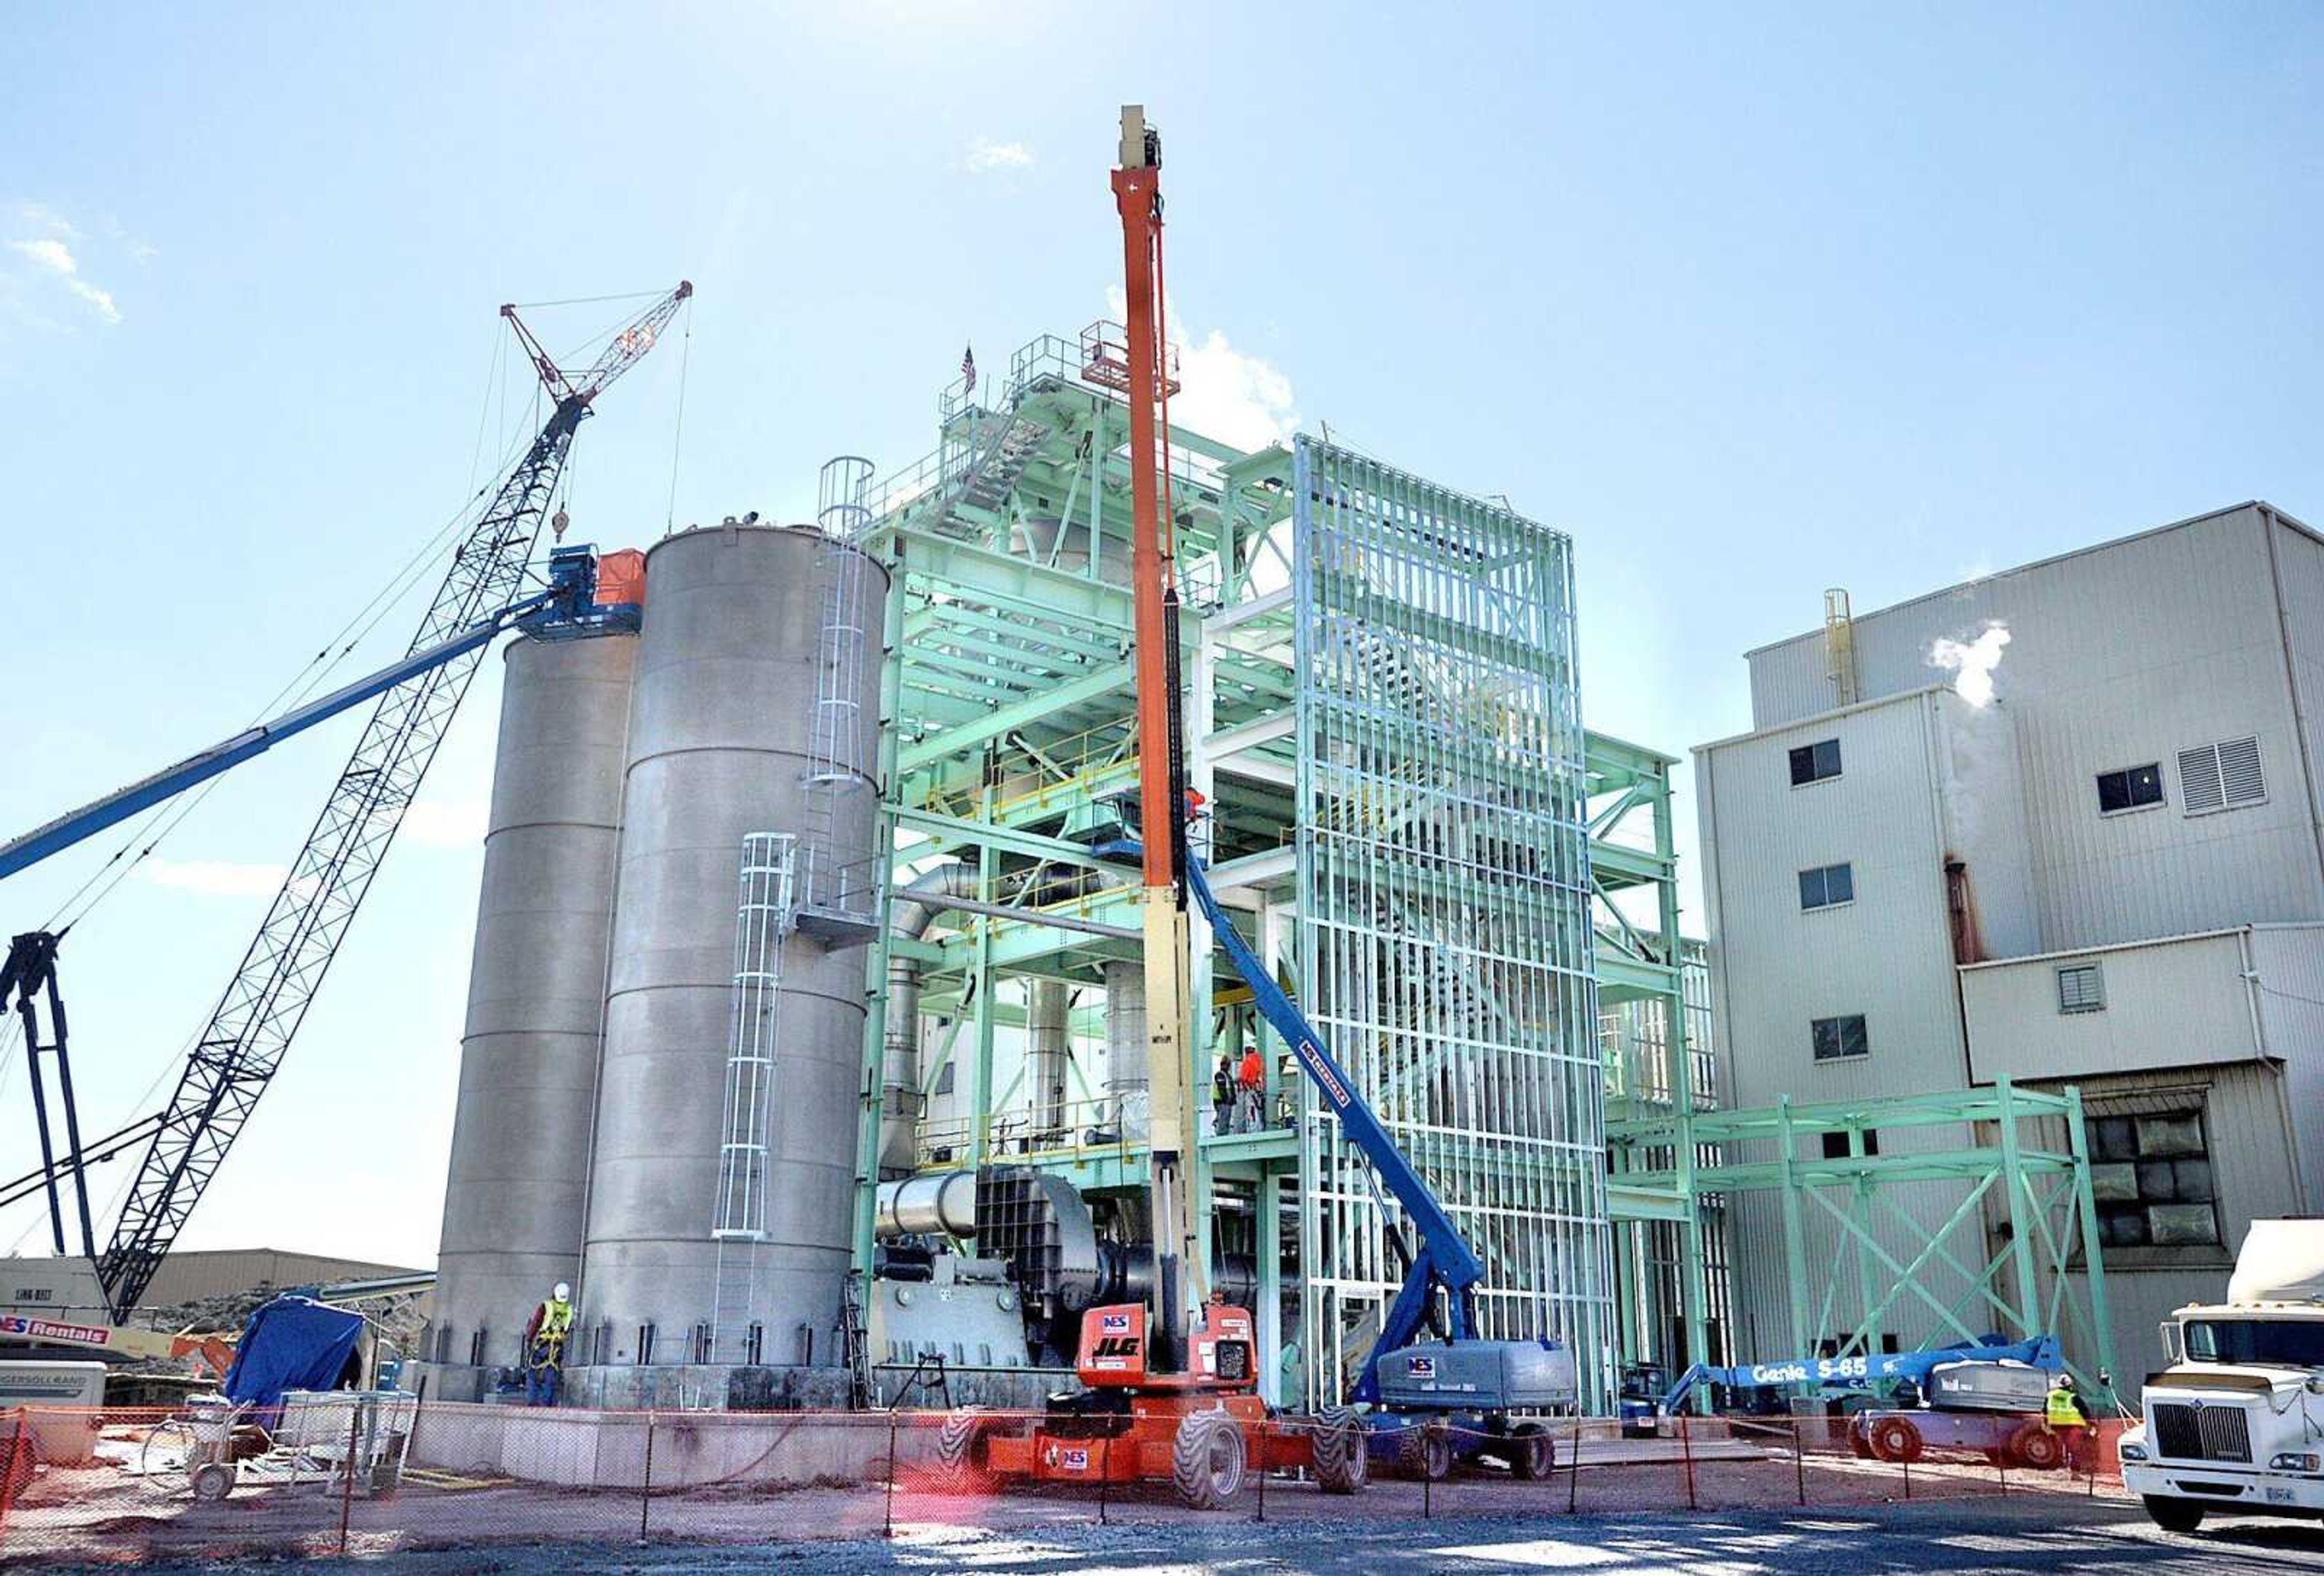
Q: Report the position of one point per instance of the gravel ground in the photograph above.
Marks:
(2025, 1534)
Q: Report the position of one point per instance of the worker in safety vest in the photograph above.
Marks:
(1222, 1095)
(2062, 1410)
(544, 1347)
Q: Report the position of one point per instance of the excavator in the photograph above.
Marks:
(1164, 1397)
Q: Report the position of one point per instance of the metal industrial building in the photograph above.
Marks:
(2055, 828)
(806, 943)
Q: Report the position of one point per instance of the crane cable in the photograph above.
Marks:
(678, 431)
(164, 819)
(399, 586)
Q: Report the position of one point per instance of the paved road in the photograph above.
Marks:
(2000, 1537)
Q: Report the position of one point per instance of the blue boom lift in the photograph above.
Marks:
(1430, 1399)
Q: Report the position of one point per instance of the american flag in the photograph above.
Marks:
(968, 367)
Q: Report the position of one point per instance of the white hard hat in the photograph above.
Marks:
(562, 1292)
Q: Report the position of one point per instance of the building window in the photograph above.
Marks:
(2150, 1177)
(1838, 1039)
(2081, 987)
(476, 1347)
(2134, 787)
(2221, 776)
(1814, 762)
(645, 1344)
(944, 1079)
(1835, 1145)
(1827, 886)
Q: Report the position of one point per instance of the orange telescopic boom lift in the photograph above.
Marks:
(1172, 1389)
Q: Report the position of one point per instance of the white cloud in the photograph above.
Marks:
(985, 154)
(52, 255)
(214, 876)
(447, 822)
(1223, 392)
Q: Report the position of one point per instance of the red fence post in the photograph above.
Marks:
(1263, 1426)
(347, 1490)
(1686, 1451)
(888, 1527)
(645, 1481)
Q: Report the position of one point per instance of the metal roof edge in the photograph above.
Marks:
(1831, 716)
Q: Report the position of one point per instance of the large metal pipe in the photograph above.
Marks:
(910, 913)
(1048, 1051)
(1125, 1030)
(931, 1204)
(518, 1178)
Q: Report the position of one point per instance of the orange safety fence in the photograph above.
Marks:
(337, 1473)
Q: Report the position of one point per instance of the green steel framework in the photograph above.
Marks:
(1336, 597)
(2013, 1242)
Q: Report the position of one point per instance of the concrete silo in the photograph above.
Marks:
(725, 742)
(513, 1203)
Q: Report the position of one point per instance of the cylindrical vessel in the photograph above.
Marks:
(721, 744)
(1125, 1029)
(929, 1203)
(514, 1202)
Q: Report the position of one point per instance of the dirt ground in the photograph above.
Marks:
(99, 1513)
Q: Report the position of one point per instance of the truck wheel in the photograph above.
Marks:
(2174, 1514)
(1894, 1439)
(1336, 1441)
(959, 1455)
(1425, 1451)
(1207, 1459)
(1533, 1454)
(2035, 1447)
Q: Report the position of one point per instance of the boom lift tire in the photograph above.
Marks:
(1894, 1439)
(960, 1454)
(2035, 1447)
(1533, 1454)
(1207, 1459)
(1425, 1451)
(1337, 1442)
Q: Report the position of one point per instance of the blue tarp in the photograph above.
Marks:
(292, 1343)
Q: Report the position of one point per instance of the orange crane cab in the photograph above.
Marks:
(1202, 1430)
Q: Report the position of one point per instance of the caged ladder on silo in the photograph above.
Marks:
(764, 917)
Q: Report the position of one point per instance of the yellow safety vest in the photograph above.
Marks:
(556, 1320)
(2064, 1411)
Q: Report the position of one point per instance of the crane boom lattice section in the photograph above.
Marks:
(236, 1054)
(1445, 902)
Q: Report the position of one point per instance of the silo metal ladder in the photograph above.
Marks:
(764, 917)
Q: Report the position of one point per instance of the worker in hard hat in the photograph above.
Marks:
(2062, 1410)
(544, 1347)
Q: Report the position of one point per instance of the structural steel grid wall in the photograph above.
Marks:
(1443, 902)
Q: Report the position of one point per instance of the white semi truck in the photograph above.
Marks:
(2235, 1424)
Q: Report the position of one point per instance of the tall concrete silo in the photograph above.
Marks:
(513, 1203)
(723, 744)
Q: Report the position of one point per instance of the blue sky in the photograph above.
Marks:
(1752, 302)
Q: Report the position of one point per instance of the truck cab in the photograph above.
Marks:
(2236, 1424)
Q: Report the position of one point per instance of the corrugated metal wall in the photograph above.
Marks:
(2289, 960)
(2173, 1004)
(2121, 656)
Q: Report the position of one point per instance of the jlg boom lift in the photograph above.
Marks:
(1172, 1398)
